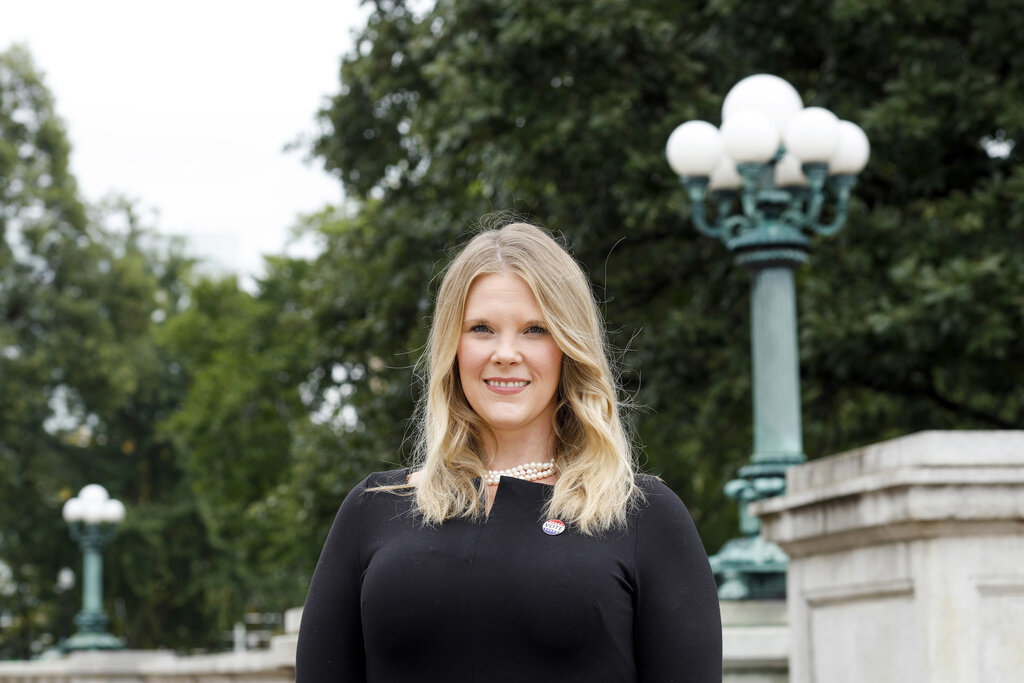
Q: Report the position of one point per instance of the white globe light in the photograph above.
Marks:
(813, 135)
(72, 510)
(65, 579)
(694, 148)
(93, 492)
(772, 96)
(112, 511)
(750, 136)
(92, 511)
(725, 177)
(852, 154)
(788, 172)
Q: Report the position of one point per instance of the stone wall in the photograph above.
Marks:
(906, 560)
(275, 664)
(755, 642)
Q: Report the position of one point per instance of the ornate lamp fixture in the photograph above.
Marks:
(92, 519)
(768, 172)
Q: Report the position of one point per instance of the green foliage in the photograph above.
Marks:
(245, 358)
(43, 298)
(909, 319)
(84, 386)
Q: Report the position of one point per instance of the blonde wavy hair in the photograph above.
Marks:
(594, 460)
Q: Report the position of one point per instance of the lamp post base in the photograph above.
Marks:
(92, 633)
(92, 641)
(750, 568)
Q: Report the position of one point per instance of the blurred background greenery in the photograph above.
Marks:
(233, 422)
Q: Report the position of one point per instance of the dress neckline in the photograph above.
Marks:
(515, 481)
(511, 481)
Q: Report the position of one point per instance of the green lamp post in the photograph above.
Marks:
(767, 173)
(92, 518)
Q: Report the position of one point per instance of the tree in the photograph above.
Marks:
(183, 396)
(33, 182)
(84, 388)
(246, 357)
(560, 110)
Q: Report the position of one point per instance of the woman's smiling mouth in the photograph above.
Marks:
(506, 386)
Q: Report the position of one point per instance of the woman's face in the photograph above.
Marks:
(509, 365)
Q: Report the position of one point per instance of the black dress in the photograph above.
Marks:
(502, 599)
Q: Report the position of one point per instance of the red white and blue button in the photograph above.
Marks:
(553, 527)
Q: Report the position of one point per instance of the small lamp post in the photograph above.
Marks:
(92, 518)
(768, 172)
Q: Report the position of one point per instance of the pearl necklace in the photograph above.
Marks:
(529, 471)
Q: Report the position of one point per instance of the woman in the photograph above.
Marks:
(523, 546)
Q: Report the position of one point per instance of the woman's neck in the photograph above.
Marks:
(503, 451)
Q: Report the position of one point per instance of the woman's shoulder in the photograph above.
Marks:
(656, 497)
(662, 521)
(397, 477)
(376, 482)
(651, 484)
(377, 489)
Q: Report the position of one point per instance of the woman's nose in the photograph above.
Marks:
(506, 351)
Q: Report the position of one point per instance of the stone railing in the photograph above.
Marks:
(756, 651)
(275, 664)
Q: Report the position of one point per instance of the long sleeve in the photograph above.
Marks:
(677, 625)
(330, 646)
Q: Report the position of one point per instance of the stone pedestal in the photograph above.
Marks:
(906, 560)
(755, 641)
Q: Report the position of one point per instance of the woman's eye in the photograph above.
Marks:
(536, 329)
(479, 328)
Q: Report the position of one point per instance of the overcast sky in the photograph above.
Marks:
(186, 107)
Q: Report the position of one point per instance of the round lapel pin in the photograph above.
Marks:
(553, 527)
